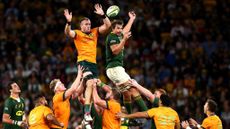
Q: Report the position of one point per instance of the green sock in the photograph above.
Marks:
(140, 102)
(87, 108)
(128, 106)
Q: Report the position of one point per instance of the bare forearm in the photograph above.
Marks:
(107, 22)
(137, 115)
(7, 120)
(128, 26)
(96, 97)
(148, 94)
(119, 47)
(67, 29)
(53, 120)
(73, 87)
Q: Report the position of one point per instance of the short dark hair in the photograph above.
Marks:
(165, 100)
(116, 22)
(37, 98)
(116, 94)
(9, 86)
(212, 105)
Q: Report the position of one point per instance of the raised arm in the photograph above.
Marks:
(97, 100)
(133, 115)
(106, 22)
(79, 90)
(75, 84)
(105, 87)
(132, 17)
(68, 31)
(148, 94)
(117, 48)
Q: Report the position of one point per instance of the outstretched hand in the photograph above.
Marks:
(98, 9)
(127, 35)
(132, 15)
(68, 15)
(121, 115)
(184, 124)
(192, 122)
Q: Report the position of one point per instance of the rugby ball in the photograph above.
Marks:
(112, 11)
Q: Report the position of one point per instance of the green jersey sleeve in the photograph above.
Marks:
(113, 39)
(8, 108)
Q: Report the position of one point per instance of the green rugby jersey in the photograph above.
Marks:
(16, 111)
(111, 59)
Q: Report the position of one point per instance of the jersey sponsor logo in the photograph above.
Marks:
(91, 35)
(19, 113)
(166, 120)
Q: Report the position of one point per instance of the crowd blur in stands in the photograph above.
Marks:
(179, 45)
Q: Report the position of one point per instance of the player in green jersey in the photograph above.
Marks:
(115, 71)
(14, 107)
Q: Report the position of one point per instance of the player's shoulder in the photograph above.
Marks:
(22, 99)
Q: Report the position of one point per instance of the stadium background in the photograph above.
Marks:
(179, 45)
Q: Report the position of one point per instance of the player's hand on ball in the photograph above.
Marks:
(127, 35)
(68, 15)
(98, 9)
(132, 15)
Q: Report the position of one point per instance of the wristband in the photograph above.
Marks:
(69, 23)
(101, 84)
(15, 122)
(198, 126)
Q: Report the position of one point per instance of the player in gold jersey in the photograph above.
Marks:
(42, 116)
(211, 122)
(85, 41)
(108, 109)
(61, 104)
(164, 116)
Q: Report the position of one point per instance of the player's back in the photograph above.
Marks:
(164, 117)
(61, 109)
(37, 117)
(212, 122)
(86, 45)
(109, 119)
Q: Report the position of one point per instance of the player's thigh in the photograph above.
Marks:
(117, 75)
(90, 71)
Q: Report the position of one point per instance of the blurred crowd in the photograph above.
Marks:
(179, 45)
